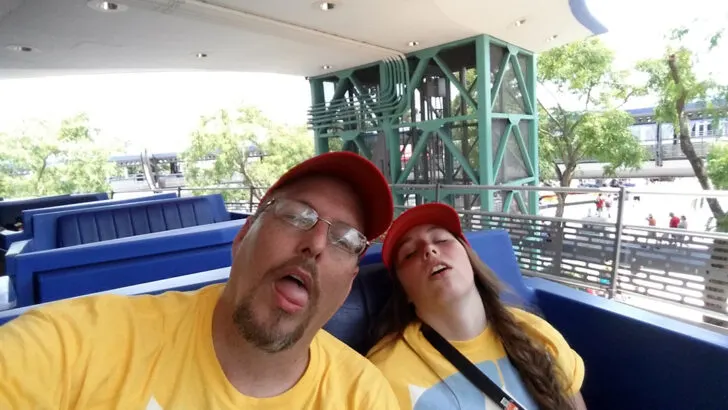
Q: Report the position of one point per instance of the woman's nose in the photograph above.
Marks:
(430, 251)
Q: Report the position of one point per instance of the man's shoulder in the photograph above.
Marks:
(341, 358)
(102, 308)
(334, 348)
(352, 376)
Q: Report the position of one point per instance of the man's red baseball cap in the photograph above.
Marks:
(365, 179)
(437, 214)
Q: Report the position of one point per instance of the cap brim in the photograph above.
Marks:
(437, 214)
(362, 175)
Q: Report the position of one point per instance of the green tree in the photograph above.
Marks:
(675, 80)
(246, 148)
(42, 158)
(717, 168)
(582, 72)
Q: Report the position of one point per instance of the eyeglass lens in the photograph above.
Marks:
(304, 217)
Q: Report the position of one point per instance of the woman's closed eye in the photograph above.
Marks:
(408, 254)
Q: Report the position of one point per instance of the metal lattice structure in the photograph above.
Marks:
(463, 113)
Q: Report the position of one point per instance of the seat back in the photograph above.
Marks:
(7, 238)
(77, 227)
(10, 211)
(495, 249)
(27, 215)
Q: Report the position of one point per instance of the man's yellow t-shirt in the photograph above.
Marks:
(423, 379)
(156, 352)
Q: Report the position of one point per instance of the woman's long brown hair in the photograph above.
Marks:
(543, 380)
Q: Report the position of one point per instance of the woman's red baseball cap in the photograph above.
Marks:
(437, 214)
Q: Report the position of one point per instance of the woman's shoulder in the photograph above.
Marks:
(558, 348)
(391, 348)
(538, 327)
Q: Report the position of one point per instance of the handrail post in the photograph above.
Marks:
(617, 242)
(437, 192)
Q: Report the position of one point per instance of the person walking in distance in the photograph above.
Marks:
(600, 204)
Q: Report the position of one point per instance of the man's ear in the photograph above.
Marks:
(242, 232)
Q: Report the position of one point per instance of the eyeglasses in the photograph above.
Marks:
(304, 217)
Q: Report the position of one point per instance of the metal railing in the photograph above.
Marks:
(669, 148)
(615, 257)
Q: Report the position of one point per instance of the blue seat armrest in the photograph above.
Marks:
(239, 215)
(18, 248)
(192, 281)
(636, 359)
(7, 238)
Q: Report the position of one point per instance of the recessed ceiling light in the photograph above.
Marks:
(520, 22)
(413, 43)
(107, 6)
(21, 49)
(552, 38)
(326, 5)
(326, 67)
(201, 55)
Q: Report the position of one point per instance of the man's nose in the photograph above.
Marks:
(314, 241)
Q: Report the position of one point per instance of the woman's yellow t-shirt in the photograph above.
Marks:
(423, 379)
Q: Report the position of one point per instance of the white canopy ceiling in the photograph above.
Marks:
(52, 37)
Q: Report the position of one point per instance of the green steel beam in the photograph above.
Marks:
(501, 153)
(382, 112)
(321, 145)
(498, 81)
(516, 65)
(531, 82)
(447, 140)
(524, 151)
(448, 73)
(485, 120)
(417, 150)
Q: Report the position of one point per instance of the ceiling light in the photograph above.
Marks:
(326, 67)
(326, 6)
(552, 38)
(109, 6)
(413, 43)
(201, 55)
(520, 22)
(21, 49)
(106, 6)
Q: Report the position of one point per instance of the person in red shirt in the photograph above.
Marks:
(600, 204)
(674, 221)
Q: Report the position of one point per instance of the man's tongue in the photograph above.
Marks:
(293, 296)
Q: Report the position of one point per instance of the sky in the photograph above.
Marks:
(158, 111)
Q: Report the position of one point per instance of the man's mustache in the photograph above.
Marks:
(304, 263)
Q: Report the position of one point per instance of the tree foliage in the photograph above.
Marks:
(675, 79)
(246, 148)
(43, 158)
(718, 166)
(590, 125)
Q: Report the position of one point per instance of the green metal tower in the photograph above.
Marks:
(461, 114)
